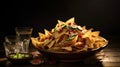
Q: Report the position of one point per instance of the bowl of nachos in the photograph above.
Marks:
(68, 41)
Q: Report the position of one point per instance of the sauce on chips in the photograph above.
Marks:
(68, 36)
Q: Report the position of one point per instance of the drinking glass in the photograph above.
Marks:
(24, 33)
(12, 45)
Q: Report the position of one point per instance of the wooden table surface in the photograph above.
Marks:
(108, 57)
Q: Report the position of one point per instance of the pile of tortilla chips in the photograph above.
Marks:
(68, 36)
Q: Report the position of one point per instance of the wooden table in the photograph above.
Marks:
(108, 57)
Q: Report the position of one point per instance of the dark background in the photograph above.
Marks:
(102, 15)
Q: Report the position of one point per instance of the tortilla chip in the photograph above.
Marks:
(74, 40)
(47, 33)
(57, 34)
(89, 43)
(41, 35)
(71, 20)
(47, 41)
(56, 26)
(84, 28)
(93, 36)
(51, 44)
(87, 34)
(36, 43)
(95, 33)
(60, 22)
(69, 48)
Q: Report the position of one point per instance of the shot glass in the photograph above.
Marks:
(24, 33)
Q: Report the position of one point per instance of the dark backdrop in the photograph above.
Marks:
(101, 15)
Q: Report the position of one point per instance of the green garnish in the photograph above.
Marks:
(55, 29)
(70, 38)
(26, 55)
(19, 56)
(63, 26)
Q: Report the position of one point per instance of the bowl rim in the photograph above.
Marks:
(73, 52)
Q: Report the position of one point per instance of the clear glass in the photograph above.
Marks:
(12, 45)
(24, 33)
